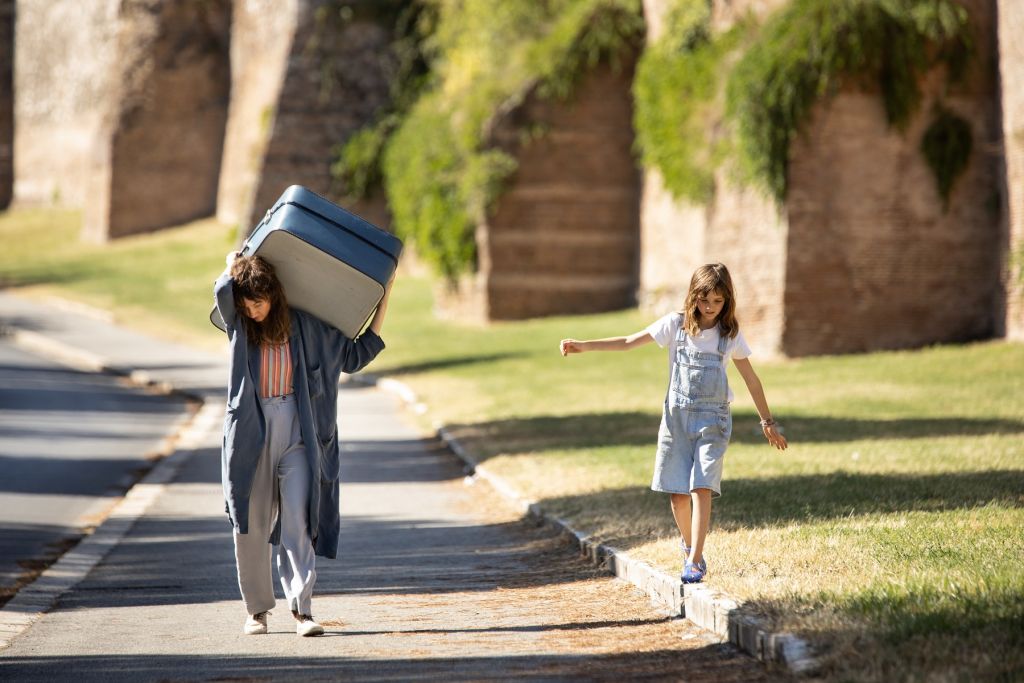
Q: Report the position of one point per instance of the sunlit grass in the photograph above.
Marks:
(160, 282)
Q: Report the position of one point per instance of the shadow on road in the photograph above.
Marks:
(710, 663)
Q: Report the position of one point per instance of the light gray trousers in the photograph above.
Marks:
(281, 486)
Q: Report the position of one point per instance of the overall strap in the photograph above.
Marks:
(723, 341)
(681, 332)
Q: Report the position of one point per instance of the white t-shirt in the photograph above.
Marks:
(664, 330)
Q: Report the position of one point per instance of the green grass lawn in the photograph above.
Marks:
(891, 532)
(160, 282)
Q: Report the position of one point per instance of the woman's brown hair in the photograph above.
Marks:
(256, 280)
(713, 277)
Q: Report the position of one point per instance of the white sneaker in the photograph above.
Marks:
(256, 624)
(306, 626)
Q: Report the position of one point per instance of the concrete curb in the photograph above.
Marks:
(706, 607)
(36, 598)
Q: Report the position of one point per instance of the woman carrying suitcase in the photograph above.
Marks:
(279, 464)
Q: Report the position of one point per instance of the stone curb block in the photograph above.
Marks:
(706, 607)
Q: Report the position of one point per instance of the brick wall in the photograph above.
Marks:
(64, 54)
(157, 159)
(336, 79)
(262, 33)
(863, 256)
(874, 260)
(1011, 52)
(739, 227)
(6, 102)
(563, 236)
(724, 13)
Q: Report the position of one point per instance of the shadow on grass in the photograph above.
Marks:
(446, 363)
(771, 501)
(49, 275)
(589, 430)
(916, 633)
(774, 500)
(823, 429)
(594, 430)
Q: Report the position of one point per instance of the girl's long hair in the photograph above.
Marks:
(713, 277)
(255, 279)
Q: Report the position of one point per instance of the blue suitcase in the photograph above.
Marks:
(331, 262)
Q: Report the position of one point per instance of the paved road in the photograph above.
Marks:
(70, 443)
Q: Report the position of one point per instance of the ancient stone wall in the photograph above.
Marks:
(739, 227)
(874, 259)
(6, 102)
(563, 236)
(337, 77)
(724, 13)
(863, 256)
(64, 54)
(157, 159)
(1010, 308)
(262, 32)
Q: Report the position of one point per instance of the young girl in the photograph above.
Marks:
(279, 464)
(696, 422)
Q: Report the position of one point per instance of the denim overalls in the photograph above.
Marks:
(696, 423)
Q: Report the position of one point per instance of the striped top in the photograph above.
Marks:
(275, 370)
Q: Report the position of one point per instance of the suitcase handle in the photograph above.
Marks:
(334, 222)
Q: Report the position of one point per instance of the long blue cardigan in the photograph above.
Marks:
(320, 353)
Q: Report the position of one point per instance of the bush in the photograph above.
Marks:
(677, 85)
(811, 47)
(439, 174)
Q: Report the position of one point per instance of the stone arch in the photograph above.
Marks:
(157, 161)
(873, 258)
(334, 79)
(563, 236)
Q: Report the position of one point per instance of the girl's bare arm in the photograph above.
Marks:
(768, 426)
(568, 346)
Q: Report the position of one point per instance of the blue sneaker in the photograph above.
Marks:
(693, 573)
(703, 565)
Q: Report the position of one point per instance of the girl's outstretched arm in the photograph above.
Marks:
(568, 346)
(768, 426)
